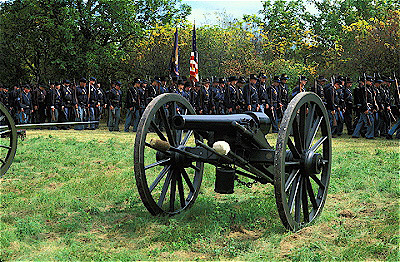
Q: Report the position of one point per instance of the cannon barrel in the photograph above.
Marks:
(221, 122)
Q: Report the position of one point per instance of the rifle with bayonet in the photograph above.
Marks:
(333, 101)
(366, 99)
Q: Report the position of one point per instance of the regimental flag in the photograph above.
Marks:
(174, 71)
(194, 59)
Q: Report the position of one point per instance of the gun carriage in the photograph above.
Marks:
(173, 144)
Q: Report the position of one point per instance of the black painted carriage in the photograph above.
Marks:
(173, 144)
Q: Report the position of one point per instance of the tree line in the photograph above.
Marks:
(58, 39)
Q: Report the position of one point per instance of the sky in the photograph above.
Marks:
(203, 10)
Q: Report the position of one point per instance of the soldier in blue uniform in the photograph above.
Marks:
(155, 87)
(366, 98)
(55, 103)
(272, 103)
(115, 104)
(250, 94)
(101, 104)
(132, 104)
(231, 96)
(283, 93)
(68, 103)
(149, 92)
(195, 100)
(207, 98)
(262, 90)
(332, 105)
(39, 103)
(348, 103)
(14, 97)
(82, 98)
(301, 87)
(25, 105)
(387, 99)
(218, 94)
(395, 105)
(92, 101)
(163, 85)
(377, 106)
(181, 91)
(318, 87)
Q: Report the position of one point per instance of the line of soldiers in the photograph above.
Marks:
(220, 96)
(61, 102)
(368, 110)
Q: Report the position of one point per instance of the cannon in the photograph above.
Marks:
(172, 145)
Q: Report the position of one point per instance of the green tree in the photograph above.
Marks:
(70, 38)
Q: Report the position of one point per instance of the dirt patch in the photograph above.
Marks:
(124, 219)
(347, 214)
(239, 232)
(306, 235)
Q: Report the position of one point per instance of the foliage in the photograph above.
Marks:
(340, 49)
(55, 39)
(373, 44)
(68, 196)
(73, 38)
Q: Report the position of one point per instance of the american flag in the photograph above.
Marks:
(194, 58)
(175, 57)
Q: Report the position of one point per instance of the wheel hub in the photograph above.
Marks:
(180, 159)
(312, 162)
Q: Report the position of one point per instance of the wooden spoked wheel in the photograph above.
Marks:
(167, 181)
(8, 139)
(302, 161)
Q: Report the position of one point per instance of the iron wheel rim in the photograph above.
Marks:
(300, 194)
(186, 184)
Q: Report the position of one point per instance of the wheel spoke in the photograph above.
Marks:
(158, 131)
(297, 136)
(167, 126)
(291, 178)
(5, 132)
(293, 149)
(292, 163)
(318, 144)
(173, 191)
(186, 138)
(313, 131)
(311, 194)
(306, 214)
(164, 189)
(181, 191)
(1, 118)
(159, 177)
(157, 163)
(302, 124)
(293, 193)
(299, 193)
(310, 117)
(7, 147)
(195, 168)
(318, 181)
(187, 180)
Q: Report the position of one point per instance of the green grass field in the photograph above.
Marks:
(72, 196)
